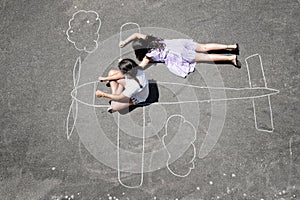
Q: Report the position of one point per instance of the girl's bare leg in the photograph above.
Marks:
(115, 74)
(117, 87)
(114, 84)
(203, 57)
(120, 105)
(213, 46)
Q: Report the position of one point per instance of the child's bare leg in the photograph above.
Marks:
(120, 84)
(117, 87)
(113, 86)
(113, 83)
(202, 57)
(214, 46)
(115, 74)
(120, 105)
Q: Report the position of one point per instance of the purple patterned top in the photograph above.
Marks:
(178, 55)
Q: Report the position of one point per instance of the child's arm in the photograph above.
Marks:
(132, 37)
(144, 62)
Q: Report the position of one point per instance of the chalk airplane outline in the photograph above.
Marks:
(267, 92)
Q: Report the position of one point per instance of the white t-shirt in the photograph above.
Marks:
(133, 89)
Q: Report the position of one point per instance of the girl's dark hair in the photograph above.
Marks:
(129, 67)
(142, 47)
(126, 65)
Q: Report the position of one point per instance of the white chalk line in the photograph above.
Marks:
(143, 153)
(73, 92)
(121, 30)
(97, 32)
(291, 162)
(144, 126)
(75, 83)
(192, 143)
(269, 100)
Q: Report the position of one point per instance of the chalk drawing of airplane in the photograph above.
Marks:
(83, 109)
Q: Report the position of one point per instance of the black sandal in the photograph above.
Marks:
(110, 110)
(238, 63)
(107, 84)
(237, 49)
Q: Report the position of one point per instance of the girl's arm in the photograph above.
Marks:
(144, 62)
(118, 75)
(132, 37)
(115, 97)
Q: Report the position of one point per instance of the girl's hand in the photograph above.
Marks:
(122, 44)
(99, 93)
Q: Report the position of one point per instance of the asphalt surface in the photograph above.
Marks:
(38, 161)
